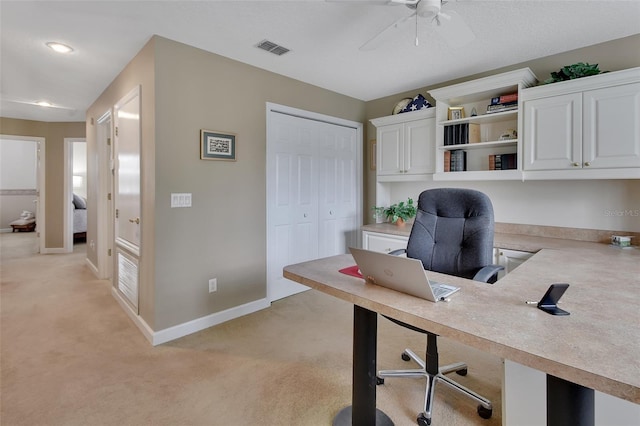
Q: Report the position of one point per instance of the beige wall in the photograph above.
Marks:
(223, 235)
(584, 208)
(140, 71)
(54, 134)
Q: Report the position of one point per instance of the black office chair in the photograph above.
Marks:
(452, 234)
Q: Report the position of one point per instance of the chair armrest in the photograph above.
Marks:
(397, 252)
(487, 273)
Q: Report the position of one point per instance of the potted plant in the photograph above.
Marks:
(571, 72)
(378, 213)
(401, 212)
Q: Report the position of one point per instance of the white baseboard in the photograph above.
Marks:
(198, 324)
(93, 267)
(6, 230)
(190, 327)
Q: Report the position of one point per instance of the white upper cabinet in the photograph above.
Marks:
(478, 126)
(405, 146)
(583, 129)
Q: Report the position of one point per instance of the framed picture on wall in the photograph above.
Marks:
(216, 145)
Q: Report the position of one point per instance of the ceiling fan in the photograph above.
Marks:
(450, 25)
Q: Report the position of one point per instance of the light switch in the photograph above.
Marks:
(180, 200)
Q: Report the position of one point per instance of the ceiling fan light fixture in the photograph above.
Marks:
(59, 47)
(428, 8)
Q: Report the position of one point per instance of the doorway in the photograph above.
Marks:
(75, 192)
(22, 184)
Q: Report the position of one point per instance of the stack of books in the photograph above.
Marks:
(503, 161)
(503, 103)
(457, 134)
(455, 160)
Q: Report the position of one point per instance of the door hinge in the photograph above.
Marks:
(116, 131)
(108, 141)
(109, 252)
(117, 213)
(109, 196)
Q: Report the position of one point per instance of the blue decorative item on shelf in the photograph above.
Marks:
(418, 102)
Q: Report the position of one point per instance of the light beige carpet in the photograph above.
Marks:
(70, 356)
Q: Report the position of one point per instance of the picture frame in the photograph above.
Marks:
(216, 145)
(456, 113)
(372, 154)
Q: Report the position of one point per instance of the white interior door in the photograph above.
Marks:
(127, 172)
(105, 209)
(127, 193)
(338, 190)
(313, 191)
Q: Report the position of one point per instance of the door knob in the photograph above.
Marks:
(136, 221)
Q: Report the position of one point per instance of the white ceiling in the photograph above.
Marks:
(324, 37)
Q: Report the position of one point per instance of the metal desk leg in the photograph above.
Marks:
(569, 404)
(363, 412)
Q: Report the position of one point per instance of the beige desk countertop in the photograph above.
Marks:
(597, 346)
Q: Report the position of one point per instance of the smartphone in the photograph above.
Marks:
(549, 302)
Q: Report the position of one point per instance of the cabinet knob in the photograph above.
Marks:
(576, 164)
(304, 215)
(587, 164)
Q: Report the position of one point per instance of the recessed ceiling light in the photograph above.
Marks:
(59, 47)
(44, 104)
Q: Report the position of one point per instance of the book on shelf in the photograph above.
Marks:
(503, 161)
(510, 106)
(504, 99)
(463, 133)
(458, 162)
(447, 161)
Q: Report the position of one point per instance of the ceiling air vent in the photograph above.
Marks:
(272, 47)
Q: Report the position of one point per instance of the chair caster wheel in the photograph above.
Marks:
(405, 357)
(462, 372)
(379, 380)
(423, 421)
(485, 413)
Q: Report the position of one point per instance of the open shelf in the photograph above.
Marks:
(487, 147)
(480, 145)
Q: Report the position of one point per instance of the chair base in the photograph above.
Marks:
(485, 409)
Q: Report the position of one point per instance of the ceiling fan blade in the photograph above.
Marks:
(383, 35)
(454, 29)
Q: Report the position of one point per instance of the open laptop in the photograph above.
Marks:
(401, 274)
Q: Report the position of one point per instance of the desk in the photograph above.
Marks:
(595, 347)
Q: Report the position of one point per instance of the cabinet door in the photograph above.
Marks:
(383, 242)
(390, 149)
(511, 259)
(553, 133)
(419, 148)
(612, 127)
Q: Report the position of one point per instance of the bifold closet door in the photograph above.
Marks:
(311, 195)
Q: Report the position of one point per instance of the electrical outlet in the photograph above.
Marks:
(213, 285)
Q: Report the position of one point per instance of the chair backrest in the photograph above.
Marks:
(453, 231)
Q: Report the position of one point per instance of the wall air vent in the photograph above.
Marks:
(272, 47)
